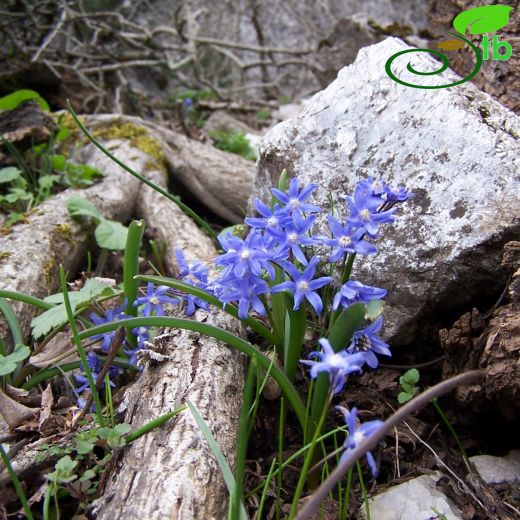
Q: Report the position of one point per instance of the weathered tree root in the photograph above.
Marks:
(31, 253)
(171, 472)
(221, 181)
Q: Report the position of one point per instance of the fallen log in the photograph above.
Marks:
(171, 472)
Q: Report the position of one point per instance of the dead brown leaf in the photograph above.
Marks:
(450, 45)
(13, 413)
(58, 349)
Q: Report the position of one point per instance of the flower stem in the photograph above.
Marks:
(309, 459)
(471, 377)
(80, 349)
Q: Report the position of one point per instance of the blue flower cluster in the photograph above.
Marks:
(279, 253)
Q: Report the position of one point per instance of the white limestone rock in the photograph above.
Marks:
(417, 499)
(456, 148)
(496, 470)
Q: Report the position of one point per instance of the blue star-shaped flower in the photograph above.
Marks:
(303, 285)
(354, 292)
(368, 344)
(365, 213)
(295, 200)
(357, 433)
(337, 364)
(346, 240)
(154, 300)
(270, 219)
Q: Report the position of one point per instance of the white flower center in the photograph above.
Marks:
(302, 286)
(272, 221)
(292, 238)
(345, 241)
(154, 300)
(245, 254)
(335, 360)
(294, 203)
(364, 214)
(358, 437)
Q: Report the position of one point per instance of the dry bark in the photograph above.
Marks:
(31, 253)
(221, 181)
(475, 341)
(171, 472)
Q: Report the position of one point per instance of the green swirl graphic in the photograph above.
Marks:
(442, 68)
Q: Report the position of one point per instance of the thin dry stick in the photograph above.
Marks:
(114, 348)
(312, 505)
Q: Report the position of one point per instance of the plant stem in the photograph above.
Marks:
(308, 460)
(16, 483)
(130, 270)
(243, 438)
(454, 433)
(363, 489)
(471, 377)
(80, 349)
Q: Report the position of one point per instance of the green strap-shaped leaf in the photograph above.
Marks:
(484, 19)
(18, 97)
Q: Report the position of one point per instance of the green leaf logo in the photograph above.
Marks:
(484, 19)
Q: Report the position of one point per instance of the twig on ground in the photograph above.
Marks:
(312, 505)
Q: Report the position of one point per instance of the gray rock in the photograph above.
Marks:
(417, 499)
(496, 470)
(457, 149)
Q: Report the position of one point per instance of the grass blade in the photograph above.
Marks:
(222, 462)
(176, 200)
(16, 484)
(234, 341)
(79, 347)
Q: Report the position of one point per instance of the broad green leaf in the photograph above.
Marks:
(114, 436)
(111, 234)
(47, 181)
(18, 97)
(79, 206)
(8, 174)
(229, 479)
(345, 325)
(410, 377)
(89, 474)
(374, 309)
(484, 19)
(13, 218)
(92, 289)
(58, 162)
(57, 316)
(62, 473)
(83, 447)
(62, 134)
(47, 321)
(403, 397)
(122, 428)
(16, 194)
(19, 353)
(9, 363)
